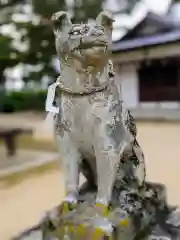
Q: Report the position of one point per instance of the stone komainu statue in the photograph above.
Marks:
(97, 136)
(96, 133)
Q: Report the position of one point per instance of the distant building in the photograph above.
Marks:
(147, 62)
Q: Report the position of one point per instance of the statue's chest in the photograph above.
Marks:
(76, 119)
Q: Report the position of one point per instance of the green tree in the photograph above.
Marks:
(31, 40)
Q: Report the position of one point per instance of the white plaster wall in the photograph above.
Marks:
(126, 76)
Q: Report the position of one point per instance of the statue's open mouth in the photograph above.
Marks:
(90, 44)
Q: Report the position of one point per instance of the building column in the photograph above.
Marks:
(127, 80)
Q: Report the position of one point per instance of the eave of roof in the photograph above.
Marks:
(152, 17)
(148, 41)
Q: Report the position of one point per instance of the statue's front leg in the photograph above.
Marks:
(108, 151)
(107, 160)
(71, 160)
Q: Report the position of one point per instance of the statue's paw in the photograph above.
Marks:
(97, 220)
(102, 209)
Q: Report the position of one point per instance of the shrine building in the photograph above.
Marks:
(147, 64)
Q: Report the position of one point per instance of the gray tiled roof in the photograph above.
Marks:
(147, 41)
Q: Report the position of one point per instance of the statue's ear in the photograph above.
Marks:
(61, 21)
(105, 19)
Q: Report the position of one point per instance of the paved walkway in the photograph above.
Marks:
(23, 205)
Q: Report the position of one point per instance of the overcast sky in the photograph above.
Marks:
(158, 6)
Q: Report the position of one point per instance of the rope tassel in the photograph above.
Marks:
(50, 98)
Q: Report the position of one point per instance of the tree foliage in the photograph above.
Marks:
(26, 35)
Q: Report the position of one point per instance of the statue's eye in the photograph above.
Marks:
(74, 32)
(85, 29)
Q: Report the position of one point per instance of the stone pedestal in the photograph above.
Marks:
(133, 216)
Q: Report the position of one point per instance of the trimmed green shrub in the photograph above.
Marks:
(22, 101)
